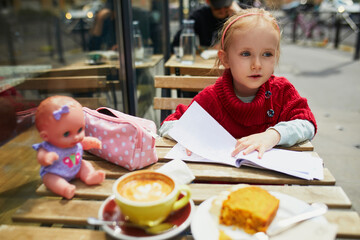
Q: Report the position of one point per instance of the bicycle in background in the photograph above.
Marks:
(347, 16)
(303, 23)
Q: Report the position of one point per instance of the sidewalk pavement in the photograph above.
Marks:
(330, 80)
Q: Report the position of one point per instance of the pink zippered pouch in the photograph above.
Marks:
(127, 141)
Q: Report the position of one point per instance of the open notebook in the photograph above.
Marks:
(197, 131)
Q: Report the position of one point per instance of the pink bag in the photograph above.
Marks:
(127, 141)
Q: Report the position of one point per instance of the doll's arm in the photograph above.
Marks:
(46, 158)
(91, 142)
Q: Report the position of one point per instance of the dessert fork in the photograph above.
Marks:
(317, 209)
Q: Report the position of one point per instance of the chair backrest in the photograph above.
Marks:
(84, 86)
(72, 84)
(183, 83)
(92, 103)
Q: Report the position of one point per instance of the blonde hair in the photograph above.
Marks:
(245, 19)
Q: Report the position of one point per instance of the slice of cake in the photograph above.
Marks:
(250, 208)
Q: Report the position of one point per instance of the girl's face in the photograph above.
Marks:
(251, 56)
(67, 131)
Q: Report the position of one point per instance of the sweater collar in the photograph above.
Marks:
(253, 113)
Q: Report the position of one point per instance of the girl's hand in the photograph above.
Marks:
(260, 142)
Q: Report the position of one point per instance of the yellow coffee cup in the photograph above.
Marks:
(147, 197)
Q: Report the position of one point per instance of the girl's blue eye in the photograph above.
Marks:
(245, 54)
(268, 54)
(80, 130)
(66, 134)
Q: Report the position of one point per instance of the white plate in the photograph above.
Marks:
(110, 211)
(205, 227)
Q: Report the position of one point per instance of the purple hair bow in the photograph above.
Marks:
(57, 113)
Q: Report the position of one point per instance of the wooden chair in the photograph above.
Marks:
(73, 84)
(54, 84)
(184, 83)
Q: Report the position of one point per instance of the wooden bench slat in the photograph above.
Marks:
(215, 172)
(85, 70)
(161, 153)
(304, 146)
(50, 211)
(83, 191)
(186, 83)
(72, 212)
(333, 196)
(348, 223)
(169, 103)
(61, 83)
(164, 142)
(11, 232)
(195, 71)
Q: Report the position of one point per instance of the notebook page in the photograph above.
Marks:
(199, 132)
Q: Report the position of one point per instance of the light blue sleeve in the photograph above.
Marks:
(165, 128)
(294, 131)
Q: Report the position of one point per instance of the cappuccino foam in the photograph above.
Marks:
(145, 190)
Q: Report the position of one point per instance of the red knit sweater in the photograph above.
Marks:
(277, 100)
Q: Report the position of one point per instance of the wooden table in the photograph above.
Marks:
(65, 219)
(201, 67)
(81, 68)
(12, 76)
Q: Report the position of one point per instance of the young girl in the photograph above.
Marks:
(60, 122)
(254, 106)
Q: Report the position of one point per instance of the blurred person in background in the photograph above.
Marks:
(102, 33)
(210, 18)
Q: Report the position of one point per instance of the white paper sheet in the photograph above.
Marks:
(209, 141)
(200, 133)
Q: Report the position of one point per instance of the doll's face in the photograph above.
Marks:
(67, 131)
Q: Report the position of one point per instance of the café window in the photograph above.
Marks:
(78, 48)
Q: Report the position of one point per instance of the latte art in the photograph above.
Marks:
(145, 190)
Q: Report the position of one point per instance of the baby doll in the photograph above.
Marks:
(60, 122)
